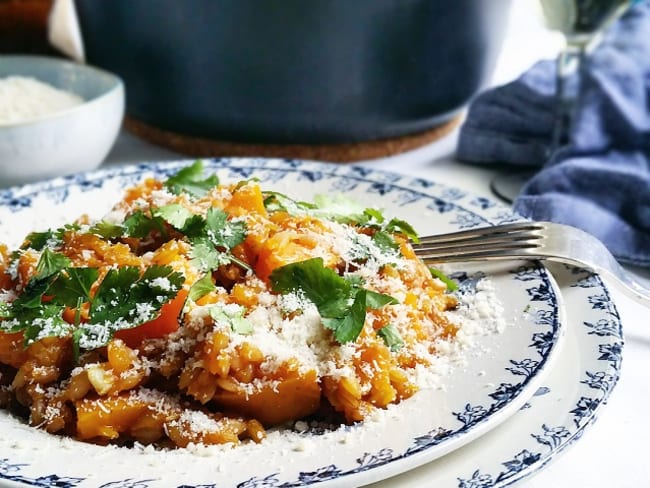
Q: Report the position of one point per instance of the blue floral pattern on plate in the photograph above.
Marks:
(446, 209)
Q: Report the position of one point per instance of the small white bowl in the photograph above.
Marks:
(66, 142)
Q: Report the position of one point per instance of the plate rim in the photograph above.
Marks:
(91, 176)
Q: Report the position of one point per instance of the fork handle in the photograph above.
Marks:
(626, 284)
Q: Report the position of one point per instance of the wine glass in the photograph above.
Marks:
(581, 22)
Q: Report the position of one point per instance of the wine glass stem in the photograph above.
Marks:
(568, 62)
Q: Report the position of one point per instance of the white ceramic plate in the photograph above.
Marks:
(502, 371)
(572, 395)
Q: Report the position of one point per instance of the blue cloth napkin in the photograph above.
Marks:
(600, 180)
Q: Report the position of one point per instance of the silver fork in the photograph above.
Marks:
(530, 240)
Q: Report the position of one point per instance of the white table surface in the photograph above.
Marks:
(614, 452)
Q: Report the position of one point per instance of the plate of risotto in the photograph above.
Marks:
(253, 323)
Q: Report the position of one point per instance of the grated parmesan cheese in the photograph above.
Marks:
(23, 99)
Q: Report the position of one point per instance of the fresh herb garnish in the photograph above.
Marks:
(201, 287)
(72, 285)
(190, 180)
(124, 299)
(341, 302)
(212, 237)
(49, 238)
(50, 263)
(233, 317)
(140, 225)
(38, 240)
(385, 241)
(107, 230)
(275, 201)
(451, 284)
(391, 337)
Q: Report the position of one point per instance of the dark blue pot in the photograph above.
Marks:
(295, 71)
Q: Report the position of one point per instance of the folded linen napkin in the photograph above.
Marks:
(600, 180)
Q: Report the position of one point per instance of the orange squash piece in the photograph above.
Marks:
(292, 398)
(164, 324)
(107, 417)
(12, 351)
(247, 199)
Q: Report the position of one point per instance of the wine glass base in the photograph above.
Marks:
(507, 186)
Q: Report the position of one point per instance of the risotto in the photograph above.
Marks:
(204, 313)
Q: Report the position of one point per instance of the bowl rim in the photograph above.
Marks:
(117, 85)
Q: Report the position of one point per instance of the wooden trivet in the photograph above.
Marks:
(339, 153)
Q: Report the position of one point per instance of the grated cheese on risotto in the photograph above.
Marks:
(197, 313)
(24, 98)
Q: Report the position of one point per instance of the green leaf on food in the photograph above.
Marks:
(451, 284)
(397, 226)
(140, 225)
(221, 231)
(338, 207)
(174, 214)
(348, 327)
(38, 240)
(331, 293)
(125, 299)
(341, 302)
(49, 238)
(275, 201)
(385, 241)
(5, 311)
(50, 263)
(46, 322)
(72, 285)
(205, 256)
(376, 300)
(191, 180)
(201, 287)
(233, 317)
(106, 230)
(391, 337)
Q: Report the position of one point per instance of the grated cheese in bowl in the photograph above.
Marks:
(23, 99)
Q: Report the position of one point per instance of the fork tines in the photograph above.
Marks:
(482, 243)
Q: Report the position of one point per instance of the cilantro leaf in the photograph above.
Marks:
(451, 284)
(50, 263)
(5, 311)
(347, 328)
(190, 180)
(323, 286)
(396, 226)
(376, 300)
(391, 337)
(125, 299)
(38, 240)
(338, 207)
(224, 233)
(275, 201)
(341, 302)
(201, 287)
(204, 255)
(174, 214)
(234, 318)
(47, 321)
(373, 217)
(385, 241)
(49, 238)
(139, 225)
(107, 230)
(73, 284)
